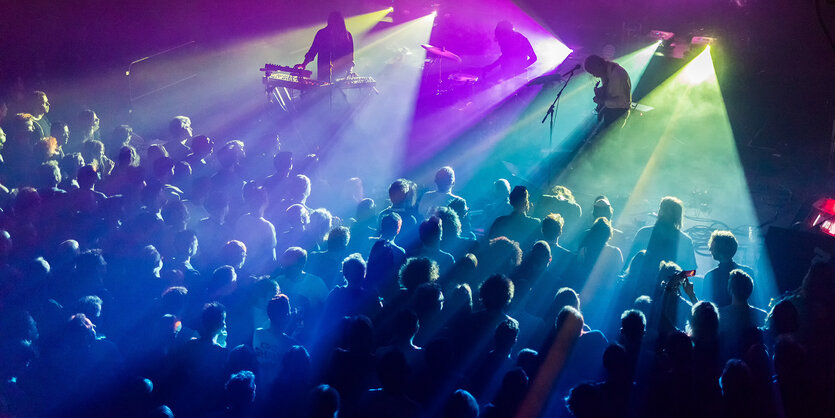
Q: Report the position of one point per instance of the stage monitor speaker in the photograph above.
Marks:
(792, 251)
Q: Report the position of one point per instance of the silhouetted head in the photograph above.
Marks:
(353, 269)
(461, 404)
(240, 390)
(496, 292)
(740, 285)
(212, 320)
(704, 322)
(602, 208)
(552, 226)
(632, 326)
(390, 225)
(416, 271)
(520, 199)
(430, 232)
(445, 179)
(180, 127)
(324, 401)
(503, 29)
(595, 65)
(450, 222)
(278, 310)
(722, 245)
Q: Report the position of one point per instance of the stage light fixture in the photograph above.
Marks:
(702, 40)
(661, 35)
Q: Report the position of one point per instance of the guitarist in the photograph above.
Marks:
(613, 93)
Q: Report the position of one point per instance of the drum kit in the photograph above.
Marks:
(456, 82)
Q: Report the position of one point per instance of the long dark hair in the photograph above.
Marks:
(336, 27)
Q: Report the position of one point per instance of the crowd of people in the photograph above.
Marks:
(194, 278)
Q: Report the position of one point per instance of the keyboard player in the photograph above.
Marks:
(333, 47)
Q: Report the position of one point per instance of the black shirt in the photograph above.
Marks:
(339, 52)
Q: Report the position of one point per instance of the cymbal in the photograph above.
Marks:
(440, 53)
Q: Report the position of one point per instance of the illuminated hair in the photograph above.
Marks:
(177, 123)
(552, 226)
(671, 212)
(723, 242)
(563, 192)
(445, 178)
(418, 270)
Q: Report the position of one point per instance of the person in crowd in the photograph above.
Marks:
(60, 130)
(181, 131)
(201, 150)
(325, 401)
(119, 137)
(363, 226)
(351, 368)
(739, 320)
(452, 240)
(461, 404)
(517, 225)
(722, 246)
(353, 298)
(228, 179)
(306, 290)
(561, 200)
(256, 232)
(239, 395)
(386, 257)
(497, 204)
(297, 191)
(320, 223)
(496, 294)
(38, 107)
(399, 196)
(597, 262)
(393, 372)
(200, 365)
(327, 264)
(442, 196)
(261, 154)
(87, 128)
(552, 226)
(664, 241)
(430, 245)
(276, 182)
(272, 343)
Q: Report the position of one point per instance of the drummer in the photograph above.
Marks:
(517, 52)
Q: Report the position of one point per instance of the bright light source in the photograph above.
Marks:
(434, 13)
(700, 69)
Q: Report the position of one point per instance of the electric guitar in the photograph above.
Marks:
(600, 99)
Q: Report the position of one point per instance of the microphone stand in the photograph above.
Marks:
(552, 114)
